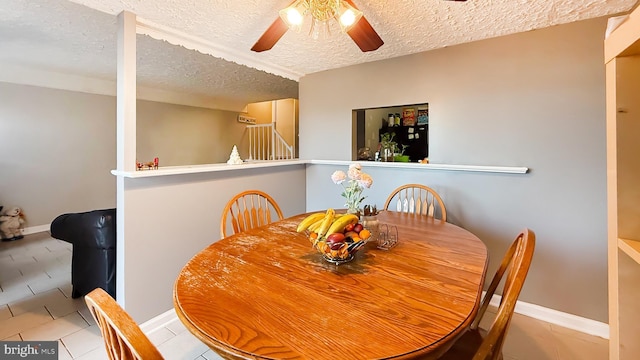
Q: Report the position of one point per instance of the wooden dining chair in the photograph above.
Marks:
(249, 209)
(122, 337)
(416, 199)
(478, 344)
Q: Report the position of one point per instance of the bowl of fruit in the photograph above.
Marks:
(336, 236)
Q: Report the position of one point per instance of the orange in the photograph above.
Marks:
(364, 234)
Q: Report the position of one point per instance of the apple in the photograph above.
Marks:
(336, 238)
(358, 227)
(349, 227)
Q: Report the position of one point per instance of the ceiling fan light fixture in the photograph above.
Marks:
(294, 14)
(347, 16)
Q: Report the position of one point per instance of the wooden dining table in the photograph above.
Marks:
(267, 294)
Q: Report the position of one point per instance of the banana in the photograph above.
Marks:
(341, 223)
(306, 222)
(328, 220)
(316, 225)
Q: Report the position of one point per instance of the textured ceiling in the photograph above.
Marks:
(80, 37)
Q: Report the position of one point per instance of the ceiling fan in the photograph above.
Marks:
(350, 19)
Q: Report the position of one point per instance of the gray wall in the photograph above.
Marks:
(58, 147)
(534, 99)
(57, 150)
(168, 219)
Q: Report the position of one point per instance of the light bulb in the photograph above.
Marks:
(294, 17)
(348, 18)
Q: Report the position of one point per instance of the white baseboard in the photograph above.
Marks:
(570, 321)
(36, 229)
(159, 321)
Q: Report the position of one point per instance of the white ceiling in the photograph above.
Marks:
(72, 37)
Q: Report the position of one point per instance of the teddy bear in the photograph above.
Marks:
(11, 224)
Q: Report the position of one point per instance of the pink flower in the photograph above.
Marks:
(355, 166)
(354, 173)
(338, 177)
(365, 180)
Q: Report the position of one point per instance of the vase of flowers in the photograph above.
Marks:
(353, 183)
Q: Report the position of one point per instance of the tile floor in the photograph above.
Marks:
(36, 304)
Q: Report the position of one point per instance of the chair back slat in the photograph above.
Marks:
(417, 199)
(123, 338)
(247, 210)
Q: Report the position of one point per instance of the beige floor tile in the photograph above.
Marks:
(577, 334)
(100, 353)
(39, 254)
(571, 347)
(50, 256)
(57, 245)
(58, 268)
(160, 336)
(14, 293)
(13, 338)
(23, 263)
(529, 339)
(176, 326)
(184, 346)
(48, 284)
(5, 313)
(63, 353)
(86, 314)
(83, 341)
(65, 307)
(211, 355)
(56, 329)
(8, 273)
(26, 321)
(66, 289)
(35, 301)
(32, 275)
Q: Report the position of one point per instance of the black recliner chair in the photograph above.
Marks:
(93, 235)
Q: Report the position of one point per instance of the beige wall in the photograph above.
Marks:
(185, 135)
(534, 99)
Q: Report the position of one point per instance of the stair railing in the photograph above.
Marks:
(266, 143)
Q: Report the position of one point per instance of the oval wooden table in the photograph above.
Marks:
(268, 294)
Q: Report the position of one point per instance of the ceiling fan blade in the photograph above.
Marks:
(363, 34)
(271, 36)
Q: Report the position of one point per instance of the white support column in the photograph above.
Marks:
(125, 133)
(126, 92)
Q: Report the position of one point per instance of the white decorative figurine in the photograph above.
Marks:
(234, 158)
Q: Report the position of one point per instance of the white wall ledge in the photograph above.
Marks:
(449, 167)
(193, 169)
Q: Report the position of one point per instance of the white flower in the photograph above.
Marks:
(355, 166)
(338, 177)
